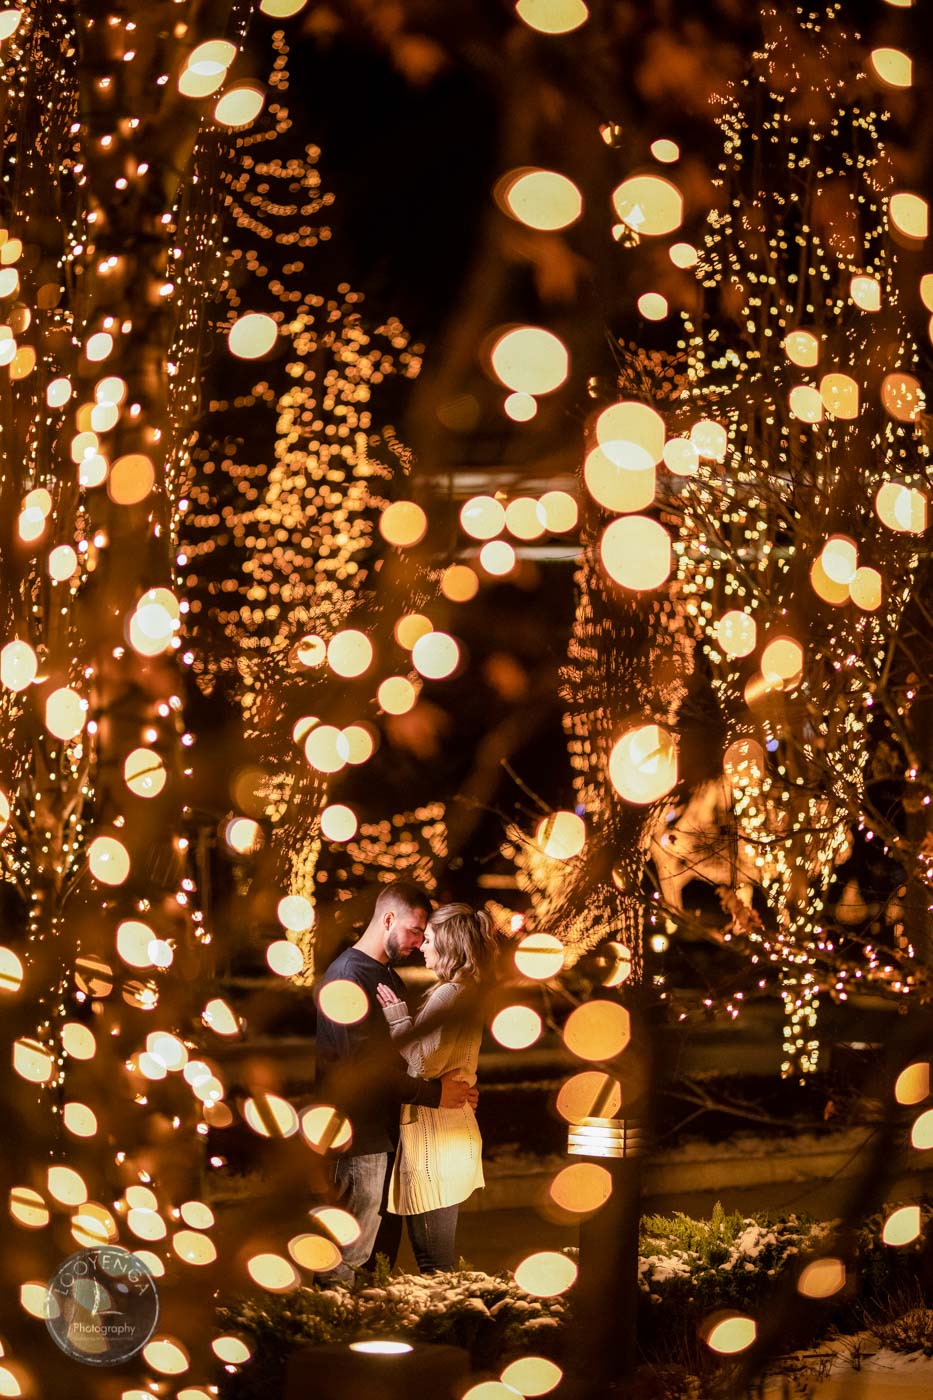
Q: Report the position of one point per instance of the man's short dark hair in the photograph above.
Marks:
(403, 895)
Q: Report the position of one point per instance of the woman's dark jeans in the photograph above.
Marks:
(433, 1235)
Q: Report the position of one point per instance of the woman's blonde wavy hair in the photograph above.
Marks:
(465, 940)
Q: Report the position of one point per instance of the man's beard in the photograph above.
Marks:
(391, 947)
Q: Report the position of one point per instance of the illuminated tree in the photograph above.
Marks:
(299, 570)
(106, 1105)
(798, 544)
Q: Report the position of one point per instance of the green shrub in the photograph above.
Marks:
(688, 1268)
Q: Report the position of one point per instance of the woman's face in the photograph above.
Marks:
(428, 948)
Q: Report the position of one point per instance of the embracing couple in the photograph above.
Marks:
(407, 1085)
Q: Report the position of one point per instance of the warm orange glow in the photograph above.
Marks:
(530, 360)
(403, 523)
(270, 1116)
(825, 587)
(109, 860)
(643, 764)
(802, 348)
(516, 1027)
(296, 913)
(435, 655)
(909, 215)
(683, 255)
(892, 66)
(782, 659)
(231, 1350)
(28, 1208)
(866, 293)
(312, 651)
(737, 633)
(822, 1278)
(902, 396)
(710, 439)
(557, 511)
(546, 1274)
(338, 1223)
(921, 1134)
(731, 1334)
(631, 434)
(589, 1094)
(902, 508)
(321, 749)
(839, 393)
(284, 958)
(338, 823)
(144, 773)
(497, 557)
(552, 16)
(649, 204)
(19, 665)
(902, 1226)
(344, 1002)
(483, 517)
(274, 1272)
(349, 653)
(314, 1252)
(865, 589)
(521, 408)
(615, 487)
(459, 583)
(522, 519)
(397, 695)
(532, 1375)
(65, 713)
(62, 563)
(324, 1128)
(240, 105)
(131, 479)
(281, 9)
(542, 199)
(839, 559)
(252, 336)
(653, 306)
(806, 404)
(134, 940)
(562, 835)
(66, 1186)
(166, 1355)
(539, 956)
(585, 1186)
(636, 552)
(913, 1083)
(598, 1030)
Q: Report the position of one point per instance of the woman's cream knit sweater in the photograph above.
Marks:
(439, 1161)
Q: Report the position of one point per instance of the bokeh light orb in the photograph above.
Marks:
(530, 360)
(643, 764)
(649, 204)
(636, 552)
(631, 434)
(562, 835)
(542, 199)
(436, 656)
(403, 524)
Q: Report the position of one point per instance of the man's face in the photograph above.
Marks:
(404, 932)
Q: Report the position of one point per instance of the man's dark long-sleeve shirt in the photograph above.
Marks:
(359, 1069)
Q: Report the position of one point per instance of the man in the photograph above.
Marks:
(360, 1071)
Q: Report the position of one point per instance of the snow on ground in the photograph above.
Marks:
(902, 1375)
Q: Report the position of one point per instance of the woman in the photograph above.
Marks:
(439, 1158)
